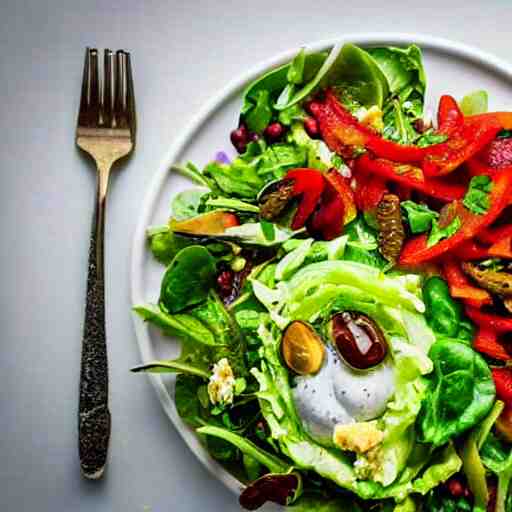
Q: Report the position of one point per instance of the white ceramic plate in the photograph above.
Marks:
(451, 68)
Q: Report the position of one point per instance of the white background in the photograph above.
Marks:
(182, 54)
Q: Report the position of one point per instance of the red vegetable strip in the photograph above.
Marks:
(416, 250)
(493, 235)
(502, 249)
(409, 176)
(308, 183)
(504, 119)
(498, 323)
(470, 250)
(369, 191)
(503, 381)
(486, 342)
(449, 115)
(342, 188)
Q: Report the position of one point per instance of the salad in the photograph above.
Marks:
(342, 291)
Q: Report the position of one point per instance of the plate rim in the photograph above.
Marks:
(208, 109)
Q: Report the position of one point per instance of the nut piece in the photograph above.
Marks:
(358, 437)
(358, 339)
(391, 229)
(302, 349)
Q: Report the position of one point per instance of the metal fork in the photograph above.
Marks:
(105, 131)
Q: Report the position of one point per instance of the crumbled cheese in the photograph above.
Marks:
(222, 383)
(357, 437)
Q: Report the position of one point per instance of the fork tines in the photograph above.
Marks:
(107, 103)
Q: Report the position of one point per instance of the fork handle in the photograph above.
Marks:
(93, 412)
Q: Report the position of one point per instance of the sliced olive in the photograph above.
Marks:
(212, 223)
(302, 348)
(358, 339)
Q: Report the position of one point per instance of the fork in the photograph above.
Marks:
(106, 132)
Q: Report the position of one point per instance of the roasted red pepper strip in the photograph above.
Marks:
(493, 235)
(369, 191)
(461, 287)
(502, 249)
(342, 187)
(497, 323)
(309, 184)
(486, 342)
(328, 220)
(470, 250)
(503, 381)
(496, 156)
(504, 119)
(344, 134)
(409, 176)
(416, 250)
(449, 116)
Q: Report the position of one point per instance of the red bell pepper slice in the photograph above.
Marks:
(497, 155)
(470, 250)
(343, 133)
(486, 342)
(343, 189)
(409, 176)
(309, 184)
(461, 287)
(369, 191)
(502, 249)
(494, 235)
(416, 250)
(504, 119)
(328, 220)
(449, 115)
(503, 382)
(497, 323)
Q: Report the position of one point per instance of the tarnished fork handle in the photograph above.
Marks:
(106, 131)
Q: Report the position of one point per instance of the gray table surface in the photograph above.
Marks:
(183, 53)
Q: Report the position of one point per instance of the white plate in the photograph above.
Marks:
(451, 68)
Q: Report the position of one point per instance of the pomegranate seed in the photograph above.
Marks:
(311, 127)
(455, 488)
(225, 281)
(313, 107)
(239, 137)
(274, 131)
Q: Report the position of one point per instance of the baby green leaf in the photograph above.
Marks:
(477, 196)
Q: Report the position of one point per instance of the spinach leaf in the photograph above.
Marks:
(350, 67)
(437, 234)
(260, 115)
(461, 392)
(295, 74)
(419, 216)
(477, 196)
(292, 114)
(188, 279)
(362, 244)
(401, 66)
(278, 158)
(238, 178)
(186, 203)
(164, 244)
(476, 102)
(443, 313)
(186, 398)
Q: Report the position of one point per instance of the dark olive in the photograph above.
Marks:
(358, 339)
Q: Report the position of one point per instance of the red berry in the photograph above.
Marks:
(313, 107)
(311, 127)
(455, 488)
(253, 137)
(239, 138)
(225, 281)
(274, 131)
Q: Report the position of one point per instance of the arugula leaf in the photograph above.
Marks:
(260, 115)
(437, 234)
(419, 216)
(238, 178)
(477, 196)
(186, 203)
(476, 102)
